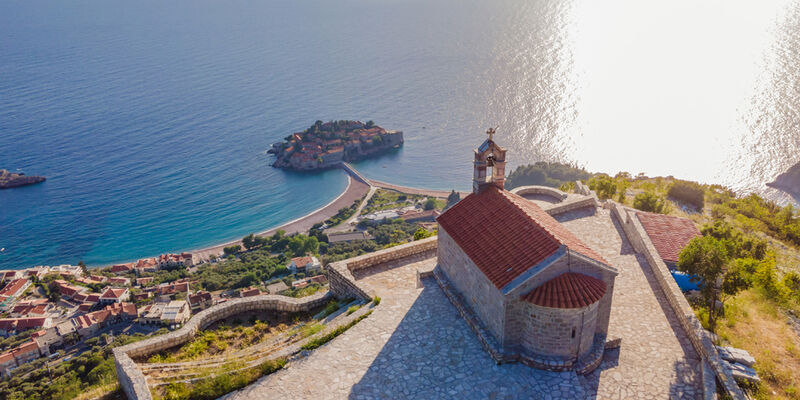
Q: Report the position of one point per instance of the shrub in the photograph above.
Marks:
(376, 300)
(604, 185)
(650, 202)
(690, 193)
(231, 250)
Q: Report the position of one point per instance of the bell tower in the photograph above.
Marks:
(489, 165)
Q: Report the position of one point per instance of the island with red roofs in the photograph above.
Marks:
(327, 144)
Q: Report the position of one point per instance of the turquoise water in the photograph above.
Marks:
(150, 119)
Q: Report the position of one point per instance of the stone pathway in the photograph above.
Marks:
(656, 359)
(415, 345)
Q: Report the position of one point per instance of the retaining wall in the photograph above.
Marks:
(340, 273)
(701, 340)
(130, 377)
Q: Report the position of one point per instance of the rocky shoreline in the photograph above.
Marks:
(10, 180)
(788, 181)
(328, 144)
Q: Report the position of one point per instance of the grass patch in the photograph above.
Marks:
(317, 342)
(376, 300)
(754, 322)
(310, 329)
(331, 308)
(212, 388)
(353, 308)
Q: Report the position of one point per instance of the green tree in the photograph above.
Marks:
(705, 258)
(453, 198)
(686, 192)
(232, 250)
(83, 267)
(604, 185)
(650, 202)
(249, 242)
(430, 204)
(422, 234)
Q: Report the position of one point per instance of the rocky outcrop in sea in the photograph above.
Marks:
(11, 180)
(788, 181)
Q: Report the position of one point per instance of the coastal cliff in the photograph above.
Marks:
(326, 145)
(788, 181)
(11, 180)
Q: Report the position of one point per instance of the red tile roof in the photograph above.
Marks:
(113, 293)
(122, 267)
(6, 358)
(251, 292)
(505, 234)
(669, 234)
(302, 261)
(568, 290)
(13, 287)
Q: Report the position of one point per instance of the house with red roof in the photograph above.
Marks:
(122, 268)
(12, 326)
(31, 308)
(21, 354)
(305, 264)
(119, 281)
(167, 289)
(11, 275)
(669, 234)
(144, 281)
(147, 265)
(115, 295)
(200, 300)
(15, 288)
(543, 296)
(250, 292)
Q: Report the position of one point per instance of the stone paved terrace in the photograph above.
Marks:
(415, 344)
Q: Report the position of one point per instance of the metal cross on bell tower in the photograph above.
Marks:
(491, 132)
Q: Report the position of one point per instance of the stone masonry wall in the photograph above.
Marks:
(130, 377)
(481, 295)
(561, 332)
(700, 339)
(571, 262)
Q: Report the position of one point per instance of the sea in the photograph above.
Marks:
(151, 119)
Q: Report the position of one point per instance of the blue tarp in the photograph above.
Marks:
(682, 279)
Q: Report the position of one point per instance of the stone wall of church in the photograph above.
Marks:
(517, 313)
(560, 332)
(478, 292)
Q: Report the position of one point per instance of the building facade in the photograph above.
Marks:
(539, 291)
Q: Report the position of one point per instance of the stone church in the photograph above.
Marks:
(543, 295)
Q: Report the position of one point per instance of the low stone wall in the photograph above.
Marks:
(392, 253)
(570, 205)
(130, 377)
(340, 273)
(701, 341)
(542, 190)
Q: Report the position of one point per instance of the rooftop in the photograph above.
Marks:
(568, 290)
(506, 235)
(669, 234)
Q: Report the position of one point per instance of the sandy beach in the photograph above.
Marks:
(355, 190)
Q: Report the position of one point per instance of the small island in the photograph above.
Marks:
(788, 181)
(11, 180)
(326, 145)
